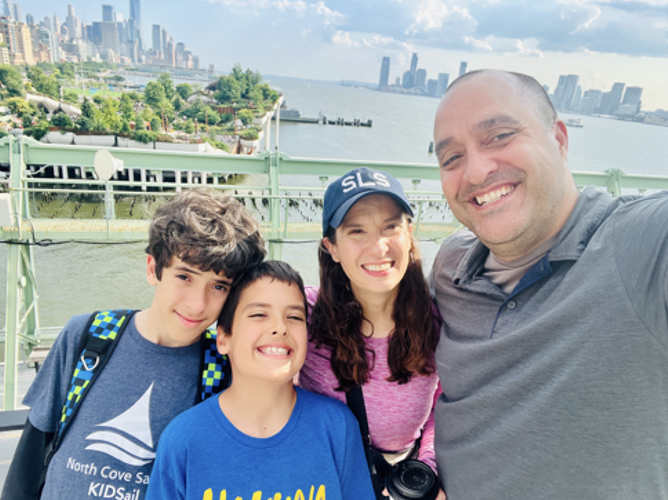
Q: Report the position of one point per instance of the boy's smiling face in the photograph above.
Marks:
(186, 301)
(268, 337)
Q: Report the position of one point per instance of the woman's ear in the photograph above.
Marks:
(331, 248)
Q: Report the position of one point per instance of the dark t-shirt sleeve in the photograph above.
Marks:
(47, 393)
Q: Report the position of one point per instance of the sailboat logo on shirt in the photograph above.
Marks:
(127, 437)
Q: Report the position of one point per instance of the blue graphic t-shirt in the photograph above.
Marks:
(318, 455)
(108, 451)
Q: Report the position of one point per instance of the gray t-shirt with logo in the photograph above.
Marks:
(109, 449)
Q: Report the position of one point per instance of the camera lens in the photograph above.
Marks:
(412, 480)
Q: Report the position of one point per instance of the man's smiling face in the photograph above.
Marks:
(503, 164)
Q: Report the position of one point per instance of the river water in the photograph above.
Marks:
(80, 278)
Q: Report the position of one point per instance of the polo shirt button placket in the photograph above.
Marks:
(511, 305)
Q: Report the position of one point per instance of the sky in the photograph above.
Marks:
(602, 41)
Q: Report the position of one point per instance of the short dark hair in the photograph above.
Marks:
(274, 269)
(528, 84)
(206, 229)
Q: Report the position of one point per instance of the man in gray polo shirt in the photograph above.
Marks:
(553, 357)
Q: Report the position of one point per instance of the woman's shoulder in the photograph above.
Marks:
(311, 293)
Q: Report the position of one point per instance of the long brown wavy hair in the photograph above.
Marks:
(337, 316)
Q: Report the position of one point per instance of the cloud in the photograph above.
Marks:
(369, 41)
(315, 10)
(525, 27)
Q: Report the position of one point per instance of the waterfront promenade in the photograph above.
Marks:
(10, 438)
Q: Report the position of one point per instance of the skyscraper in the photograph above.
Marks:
(18, 40)
(135, 23)
(180, 54)
(16, 12)
(462, 67)
(157, 40)
(565, 91)
(632, 95)
(632, 100)
(384, 73)
(108, 14)
(414, 62)
(442, 83)
(72, 23)
(407, 80)
(591, 101)
(135, 12)
(432, 87)
(420, 79)
(612, 99)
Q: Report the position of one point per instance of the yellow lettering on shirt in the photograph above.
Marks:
(257, 495)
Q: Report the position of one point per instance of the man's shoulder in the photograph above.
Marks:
(655, 204)
(455, 246)
(640, 217)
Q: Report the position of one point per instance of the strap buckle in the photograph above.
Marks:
(85, 363)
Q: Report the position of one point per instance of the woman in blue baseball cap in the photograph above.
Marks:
(372, 324)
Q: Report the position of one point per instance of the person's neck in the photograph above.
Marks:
(151, 327)
(378, 310)
(257, 408)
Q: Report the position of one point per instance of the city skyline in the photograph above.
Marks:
(603, 41)
(113, 38)
(621, 101)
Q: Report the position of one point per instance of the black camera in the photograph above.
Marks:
(406, 480)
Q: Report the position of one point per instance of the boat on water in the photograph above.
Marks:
(574, 123)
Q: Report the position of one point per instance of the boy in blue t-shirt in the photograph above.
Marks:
(263, 438)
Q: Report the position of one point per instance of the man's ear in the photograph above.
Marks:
(222, 341)
(151, 276)
(561, 135)
(331, 248)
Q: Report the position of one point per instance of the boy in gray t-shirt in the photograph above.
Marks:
(198, 243)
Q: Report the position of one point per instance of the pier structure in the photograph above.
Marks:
(101, 206)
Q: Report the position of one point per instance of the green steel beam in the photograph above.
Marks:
(11, 328)
(335, 168)
(21, 318)
(37, 153)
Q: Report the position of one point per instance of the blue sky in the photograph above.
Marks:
(603, 41)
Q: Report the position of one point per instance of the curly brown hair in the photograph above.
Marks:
(207, 229)
(337, 316)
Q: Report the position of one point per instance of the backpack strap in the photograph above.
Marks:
(100, 337)
(215, 367)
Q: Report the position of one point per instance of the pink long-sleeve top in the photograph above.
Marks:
(398, 414)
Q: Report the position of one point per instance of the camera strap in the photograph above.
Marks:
(355, 401)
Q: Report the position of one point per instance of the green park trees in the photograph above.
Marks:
(228, 105)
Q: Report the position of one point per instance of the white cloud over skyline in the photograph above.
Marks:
(602, 40)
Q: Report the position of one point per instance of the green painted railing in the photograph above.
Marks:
(268, 184)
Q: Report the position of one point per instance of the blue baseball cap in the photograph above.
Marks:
(345, 191)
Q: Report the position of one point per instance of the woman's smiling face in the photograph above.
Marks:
(373, 245)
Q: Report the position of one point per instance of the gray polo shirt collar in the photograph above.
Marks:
(590, 210)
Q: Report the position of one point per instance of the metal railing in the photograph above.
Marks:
(269, 185)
